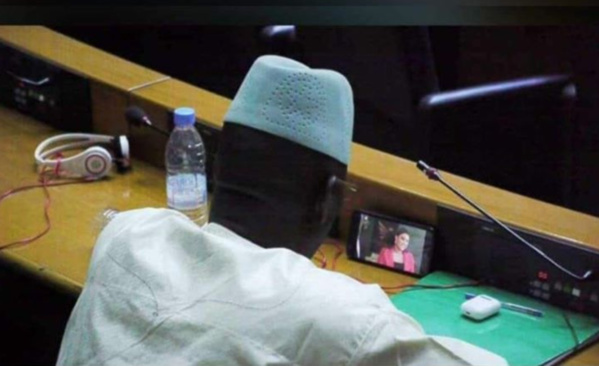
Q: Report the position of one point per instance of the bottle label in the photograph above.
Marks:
(186, 191)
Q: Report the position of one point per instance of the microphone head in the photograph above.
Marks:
(431, 173)
(422, 166)
(136, 116)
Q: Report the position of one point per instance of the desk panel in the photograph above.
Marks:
(77, 57)
(399, 183)
(171, 94)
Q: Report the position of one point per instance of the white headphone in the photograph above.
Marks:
(95, 162)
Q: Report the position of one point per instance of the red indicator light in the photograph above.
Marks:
(543, 275)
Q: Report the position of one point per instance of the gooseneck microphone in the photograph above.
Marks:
(139, 118)
(434, 174)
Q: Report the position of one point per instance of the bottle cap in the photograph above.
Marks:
(184, 116)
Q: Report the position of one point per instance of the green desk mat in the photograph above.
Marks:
(521, 339)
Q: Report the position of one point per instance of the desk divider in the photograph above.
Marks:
(386, 183)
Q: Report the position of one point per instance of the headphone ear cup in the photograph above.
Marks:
(122, 158)
(95, 162)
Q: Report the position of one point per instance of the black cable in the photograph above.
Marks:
(416, 286)
(441, 287)
(572, 330)
(434, 174)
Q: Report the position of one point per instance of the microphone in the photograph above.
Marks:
(434, 174)
(136, 116)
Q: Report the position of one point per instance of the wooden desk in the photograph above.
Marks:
(62, 256)
(386, 183)
(395, 186)
(79, 58)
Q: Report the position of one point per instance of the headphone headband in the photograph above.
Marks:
(94, 162)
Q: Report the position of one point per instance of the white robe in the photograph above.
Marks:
(162, 291)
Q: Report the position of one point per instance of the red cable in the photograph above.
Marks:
(393, 288)
(323, 260)
(46, 217)
(337, 254)
(44, 183)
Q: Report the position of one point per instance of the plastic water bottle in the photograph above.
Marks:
(186, 168)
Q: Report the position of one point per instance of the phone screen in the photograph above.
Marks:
(391, 243)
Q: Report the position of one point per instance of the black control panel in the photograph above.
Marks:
(44, 91)
(475, 247)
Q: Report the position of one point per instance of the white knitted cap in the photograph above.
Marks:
(312, 107)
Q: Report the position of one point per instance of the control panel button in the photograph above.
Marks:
(545, 287)
(545, 295)
(557, 286)
(576, 292)
(594, 297)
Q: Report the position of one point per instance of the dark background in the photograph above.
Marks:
(390, 69)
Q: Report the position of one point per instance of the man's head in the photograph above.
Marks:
(284, 147)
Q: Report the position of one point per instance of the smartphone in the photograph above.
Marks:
(391, 243)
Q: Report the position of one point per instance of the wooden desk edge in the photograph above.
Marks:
(367, 164)
(210, 107)
(23, 38)
(56, 280)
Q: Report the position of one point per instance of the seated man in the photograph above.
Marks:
(241, 290)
